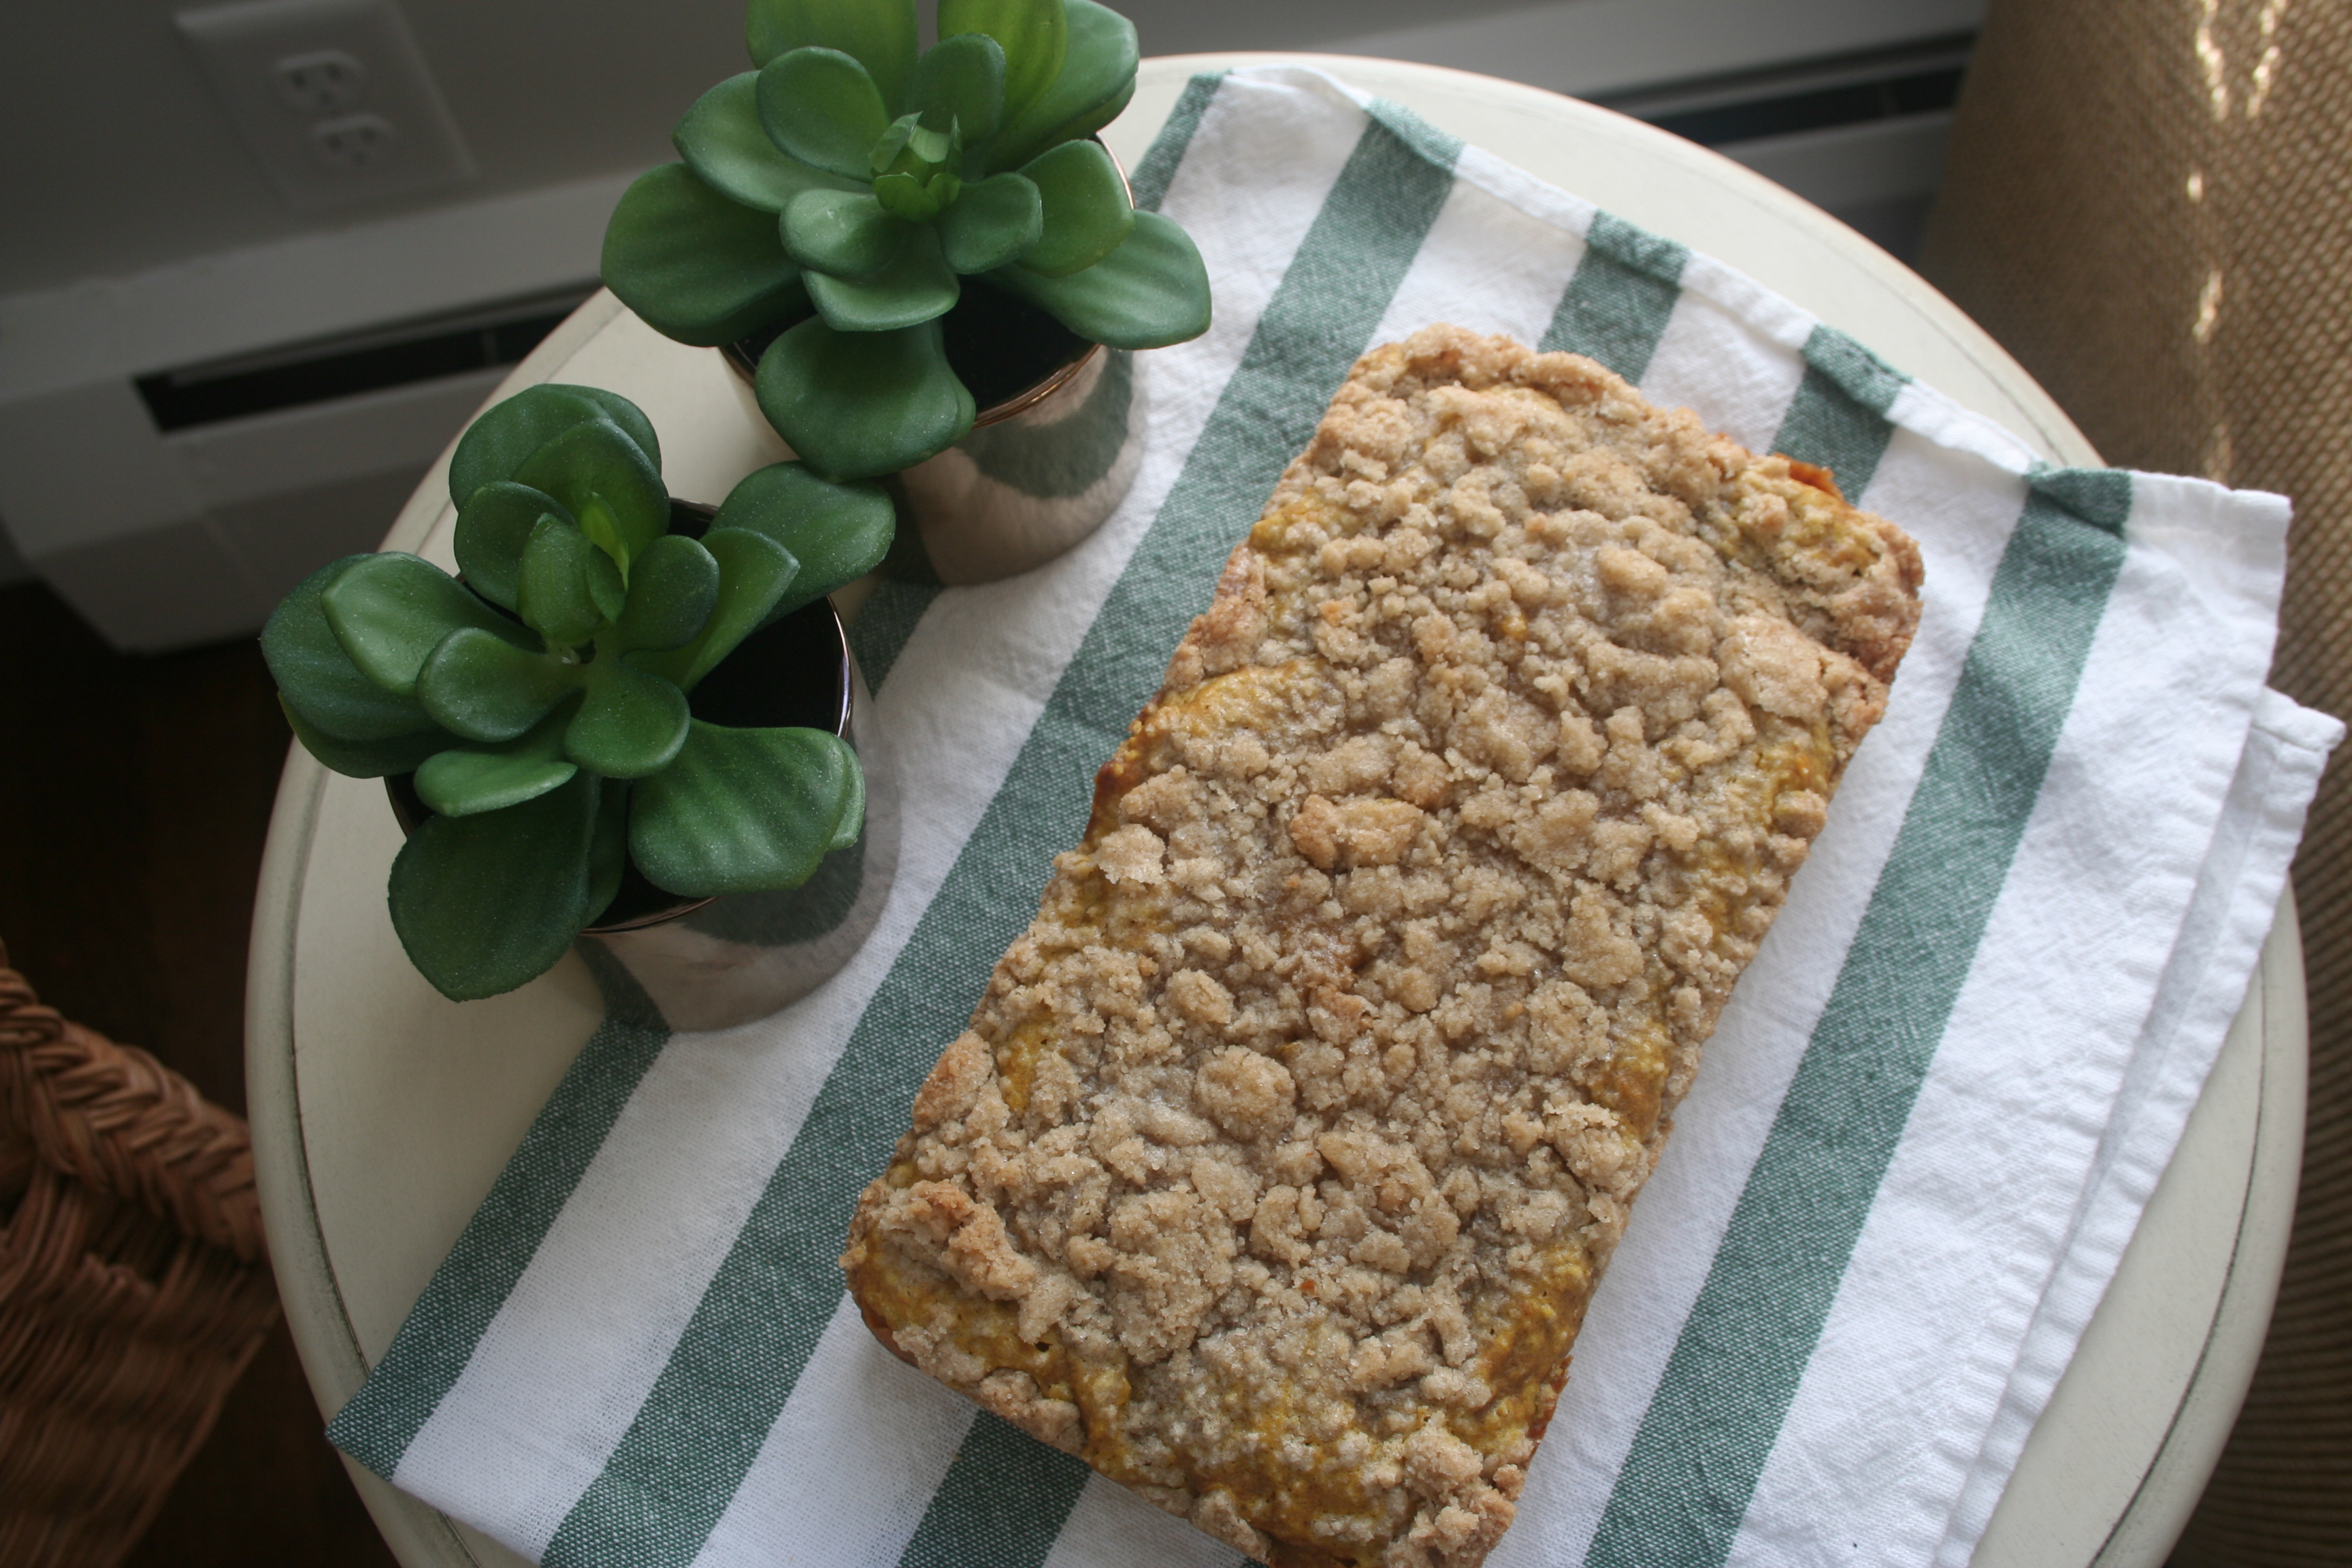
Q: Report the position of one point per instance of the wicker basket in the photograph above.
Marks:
(133, 1284)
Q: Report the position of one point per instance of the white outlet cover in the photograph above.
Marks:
(245, 52)
(323, 81)
(354, 143)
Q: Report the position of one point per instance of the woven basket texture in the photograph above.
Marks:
(2150, 204)
(133, 1283)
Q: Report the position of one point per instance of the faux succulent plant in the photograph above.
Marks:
(855, 177)
(541, 701)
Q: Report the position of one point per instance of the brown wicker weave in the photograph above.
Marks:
(133, 1285)
(2149, 202)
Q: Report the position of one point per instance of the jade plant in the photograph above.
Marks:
(542, 699)
(843, 190)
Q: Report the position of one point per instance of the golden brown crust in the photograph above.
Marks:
(1275, 1171)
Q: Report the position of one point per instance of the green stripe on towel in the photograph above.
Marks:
(691, 1443)
(1728, 1385)
(1623, 293)
(1838, 419)
(992, 1507)
(879, 636)
(1159, 166)
(2099, 496)
(437, 1338)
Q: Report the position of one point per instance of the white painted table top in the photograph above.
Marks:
(382, 1113)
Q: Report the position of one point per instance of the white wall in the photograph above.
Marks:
(119, 159)
(137, 233)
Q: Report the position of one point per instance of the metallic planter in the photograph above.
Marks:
(1038, 474)
(711, 963)
(1039, 471)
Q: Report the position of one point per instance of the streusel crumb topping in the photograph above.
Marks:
(1280, 1158)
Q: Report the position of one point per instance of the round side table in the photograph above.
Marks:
(382, 1113)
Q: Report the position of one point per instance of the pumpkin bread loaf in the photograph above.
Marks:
(1281, 1158)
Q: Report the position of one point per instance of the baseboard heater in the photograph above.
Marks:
(239, 388)
(176, 507)
(1860, 135)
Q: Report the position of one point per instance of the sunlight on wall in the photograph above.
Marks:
(2235, 102)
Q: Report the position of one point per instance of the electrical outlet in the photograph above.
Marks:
(354, 143)
(320, 81)
(332, 97)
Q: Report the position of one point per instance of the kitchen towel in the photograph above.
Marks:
(1925, 1127)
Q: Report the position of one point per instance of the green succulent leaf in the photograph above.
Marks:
(917, 169)
(699, 267)
(962, 80)
(631, 724)
(856, 404)
(608, 849)
(629, 417)
(571, 590)
(504, 437)
(484, 688)
(465, 781)
(753, 572)
(672, 589)
(601, 528)
(724, 143)
(484, 903)
(320, 682)
(493, 526)
(911, 147)
(605, 482)
(994, 221)
(907, 196)
(1097, 78)
(363, 759)
(822, 108)
(1087, 213)
(842, 234)
(461, 782)
(1033, 35)
(878, 34)
(1150, 292)
(745, 811)
(916, 287)
(391, 611)
(893, 141)
(849, 825)
(837, 531)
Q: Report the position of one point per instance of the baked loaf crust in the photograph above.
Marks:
(1279, 1161)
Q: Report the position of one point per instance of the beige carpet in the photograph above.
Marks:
(2150, 204)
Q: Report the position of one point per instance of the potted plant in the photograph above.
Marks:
(540, 705)
(900, 219)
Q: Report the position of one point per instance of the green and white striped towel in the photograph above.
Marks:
(1928, 1122)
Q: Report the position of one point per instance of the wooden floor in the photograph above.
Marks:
(133, 801)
